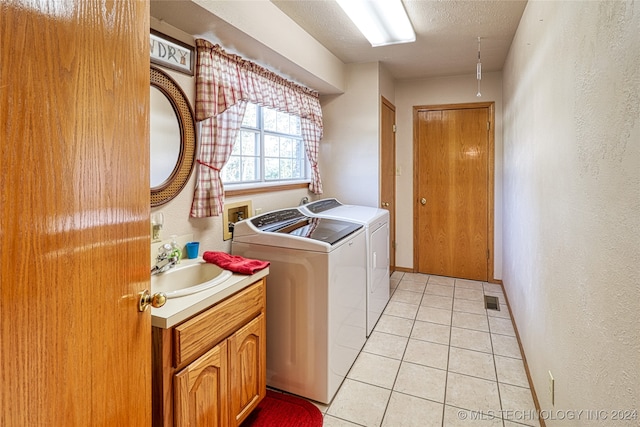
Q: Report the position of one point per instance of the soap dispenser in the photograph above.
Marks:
(175, 249)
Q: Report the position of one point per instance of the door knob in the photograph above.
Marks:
(146, 299)
(423, 201)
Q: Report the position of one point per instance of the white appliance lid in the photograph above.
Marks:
(331, 208)
(295, 223)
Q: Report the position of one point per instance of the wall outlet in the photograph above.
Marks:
(552, 391)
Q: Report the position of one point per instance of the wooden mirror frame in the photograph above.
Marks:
(186, 159)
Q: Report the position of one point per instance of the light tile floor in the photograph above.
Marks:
(437, 358)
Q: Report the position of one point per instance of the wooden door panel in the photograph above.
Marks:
(453, 179)
(247, 364)
(201, 390)
(74, 213)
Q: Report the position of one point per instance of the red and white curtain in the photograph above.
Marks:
(224, 84)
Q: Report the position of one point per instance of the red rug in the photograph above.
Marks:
(284, 410)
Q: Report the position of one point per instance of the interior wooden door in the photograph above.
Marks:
(452, 203)
(388, 173)
(74, 213)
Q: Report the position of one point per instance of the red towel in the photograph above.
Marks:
(234, 263)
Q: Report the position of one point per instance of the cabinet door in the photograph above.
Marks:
(247, 362)
(201, 391)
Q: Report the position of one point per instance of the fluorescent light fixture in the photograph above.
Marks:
(382, 22)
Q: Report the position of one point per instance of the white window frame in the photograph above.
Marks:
(262, 182)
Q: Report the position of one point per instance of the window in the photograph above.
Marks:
(269, 149)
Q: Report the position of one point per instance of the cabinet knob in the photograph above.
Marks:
(385, 204)
(146, 299)
(423, 201)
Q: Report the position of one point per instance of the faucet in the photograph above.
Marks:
(168, 257)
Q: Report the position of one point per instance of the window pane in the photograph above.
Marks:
(271, 146)
(250, 143)
(299, 149)
(282, 122)
(231, 171)
(271, 169)
(269, 117)
(286, 147)
(286, 168)
(237, 146)
(250, 118)
(250, 168)
(294, 123)
(298, 169)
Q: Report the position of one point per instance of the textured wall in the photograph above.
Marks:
(572, 201)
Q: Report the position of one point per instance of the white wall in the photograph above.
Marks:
(572, 202)
(444, 90)
(387, 85)
(349, 151)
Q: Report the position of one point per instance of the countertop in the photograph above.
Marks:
(177, 310)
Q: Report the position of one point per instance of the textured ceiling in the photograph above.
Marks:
(447, 34)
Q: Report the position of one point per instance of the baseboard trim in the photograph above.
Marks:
(403, 269)
(524, 358)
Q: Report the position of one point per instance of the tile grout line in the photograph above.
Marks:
(495, 367)
(403, 354)
(446, 378)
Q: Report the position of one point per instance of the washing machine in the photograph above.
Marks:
(316, 297)
(376, 223)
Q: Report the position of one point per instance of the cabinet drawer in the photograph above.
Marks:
(198, 334)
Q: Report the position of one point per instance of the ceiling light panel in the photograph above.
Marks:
(382, 22)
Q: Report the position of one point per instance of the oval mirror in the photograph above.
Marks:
(166, 140)
(172, 142)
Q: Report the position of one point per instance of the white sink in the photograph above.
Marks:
(189, 277)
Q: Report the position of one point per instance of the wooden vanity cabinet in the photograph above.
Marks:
(211, 369)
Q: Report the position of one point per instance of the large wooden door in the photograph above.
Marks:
(452, 191)
(388, 173)
(74, 213)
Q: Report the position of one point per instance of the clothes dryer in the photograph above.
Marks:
(376, 223)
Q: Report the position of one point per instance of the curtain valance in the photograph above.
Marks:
(225, 78)
(224, 84)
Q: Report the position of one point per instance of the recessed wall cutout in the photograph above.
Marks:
(232, 213)
(491, 303)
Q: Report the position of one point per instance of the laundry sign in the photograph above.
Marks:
(171, 53)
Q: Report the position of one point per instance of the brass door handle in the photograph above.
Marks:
(146, 299)
(423, 201)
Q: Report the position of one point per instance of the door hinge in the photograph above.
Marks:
(488, 125)
(394, 128)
